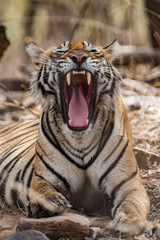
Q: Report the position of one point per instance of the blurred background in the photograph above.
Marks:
(50, 22)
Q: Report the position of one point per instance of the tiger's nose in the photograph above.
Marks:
(78, 57)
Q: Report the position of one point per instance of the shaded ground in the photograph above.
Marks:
(142, 102)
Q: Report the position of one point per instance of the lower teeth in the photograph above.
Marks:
(86, 124)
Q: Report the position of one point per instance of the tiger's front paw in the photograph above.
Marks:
(47, 205)
(132, 226)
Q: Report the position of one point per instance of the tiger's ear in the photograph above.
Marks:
(109, 49)
(34, 51)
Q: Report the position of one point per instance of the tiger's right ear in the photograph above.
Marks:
(34, 51)
(109, 49)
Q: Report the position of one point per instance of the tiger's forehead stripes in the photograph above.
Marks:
(75, 47)
(69, 48)
(81, 47)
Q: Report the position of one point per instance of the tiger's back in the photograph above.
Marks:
(17, 151)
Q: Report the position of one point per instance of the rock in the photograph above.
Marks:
(5, 233)
(27, 235)
(145, 159)
(144, 102)
(67, 225)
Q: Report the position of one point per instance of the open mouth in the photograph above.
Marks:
(78, 91)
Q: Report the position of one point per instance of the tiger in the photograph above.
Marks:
(80, 150)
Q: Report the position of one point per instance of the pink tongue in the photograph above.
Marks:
(78, 108)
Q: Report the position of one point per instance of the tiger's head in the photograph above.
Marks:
(77, 77)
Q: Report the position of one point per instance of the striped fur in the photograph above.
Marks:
(51, 167)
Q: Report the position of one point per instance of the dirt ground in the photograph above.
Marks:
(142, 101)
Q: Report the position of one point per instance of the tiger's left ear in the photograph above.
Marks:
(108, 50)
(34, 51)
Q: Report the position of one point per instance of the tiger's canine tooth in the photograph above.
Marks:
(88, 78)
(87, 121)
(70, 123)
(68, 76)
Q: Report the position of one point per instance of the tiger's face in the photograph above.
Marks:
(76, 77)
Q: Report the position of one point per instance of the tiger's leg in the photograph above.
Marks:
(131, 208)
(44, 199)
(131, 204)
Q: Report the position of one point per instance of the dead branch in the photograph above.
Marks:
(16, 104)
(66, 225)
(153, 78)
(14, 84)
(133, 55)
